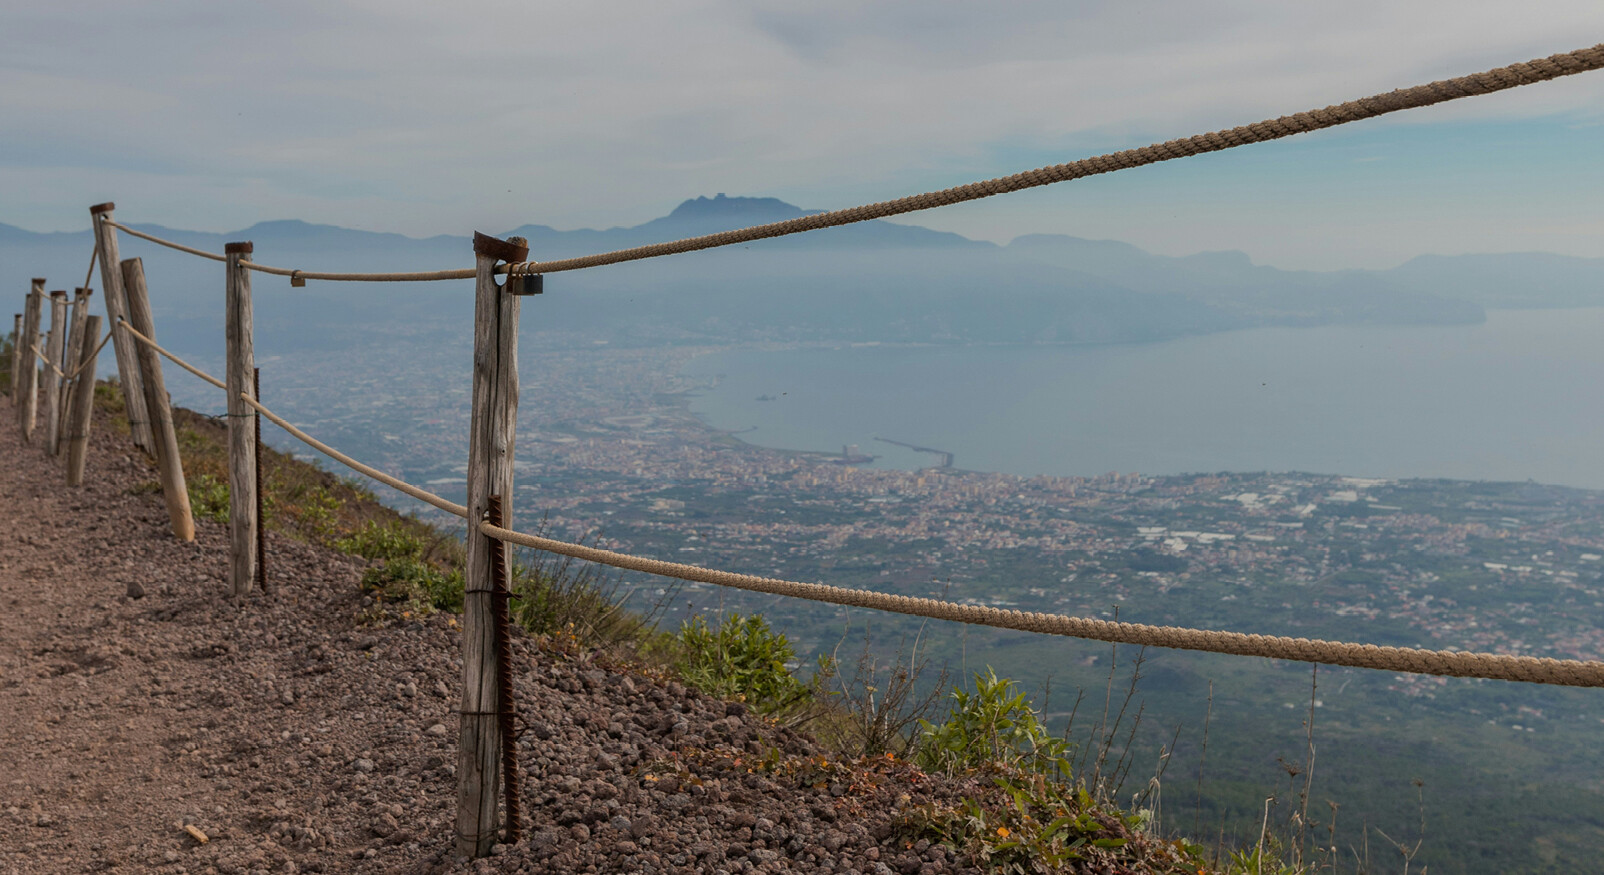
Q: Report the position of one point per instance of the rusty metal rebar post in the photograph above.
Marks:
(261, 519)
(506, 710)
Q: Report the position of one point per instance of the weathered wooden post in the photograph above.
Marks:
(28, 404)
(111, 283)
(54, 348)
(16, 358)
(242, 521)
(82, 403)
(75, 340)
(161, 411)
(77, 313)
(490, 452)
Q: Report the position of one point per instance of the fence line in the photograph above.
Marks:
(1414, 660)
(485, 710)
(295, 274)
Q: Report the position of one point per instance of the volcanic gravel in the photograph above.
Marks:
(141, 709)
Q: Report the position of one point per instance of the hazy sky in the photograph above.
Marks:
(429, 118)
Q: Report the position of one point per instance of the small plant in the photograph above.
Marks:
(555, 595)
(1028, 823)
(420, 587)
(744, 659)
(382, 541)
(992, 727)
(314, 512)
(208, 498)
(882, 702)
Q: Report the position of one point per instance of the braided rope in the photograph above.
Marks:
(94, 256)
(157, 240)
(48, 363)
(466, 273)
(416, 276)
(1515, 75)
(420, 494)
(1449, 663)
(1499, 79)
(123, 324)
(84, 361)
(1564, 672)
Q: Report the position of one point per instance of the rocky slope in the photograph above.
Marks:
(142, 710)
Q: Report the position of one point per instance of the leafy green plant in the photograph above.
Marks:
(382, 541)
(208, 498)
(995, 727)
(420, 586)
(1027, 823)
(743, 659)
(314, 512)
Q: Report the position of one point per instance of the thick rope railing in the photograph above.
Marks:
(404, 277)
(1564, 672)
(46, 360)
(84, 363)
(401, 485)
(94, 256)
(422, 495)
(215, 256)
(1512, 76)
(1449, 663)
(1488, 82)
(132, 332)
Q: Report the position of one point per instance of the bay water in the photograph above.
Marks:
(1515, 398)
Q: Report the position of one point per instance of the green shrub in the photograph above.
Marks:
(1031, 825)
(208, 498)
(742, 659)
(557, 596)
(415, 583)
(992, 727)
(383, 541)
(314, 512)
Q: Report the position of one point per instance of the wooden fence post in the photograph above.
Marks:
(75, 340)
(490, 452)
(82, 403)
(111, 282)
(242, 521)
(165, 436)
(28, 406)
(54, 348)
(16, 358)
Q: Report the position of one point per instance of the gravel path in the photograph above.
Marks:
(140, 707)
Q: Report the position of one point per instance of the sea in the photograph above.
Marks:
(1519, 397)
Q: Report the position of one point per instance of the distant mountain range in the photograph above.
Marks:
(874, 281)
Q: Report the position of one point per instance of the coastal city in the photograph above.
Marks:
(609, 451)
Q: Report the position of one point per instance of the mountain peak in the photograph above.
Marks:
(720, 206)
